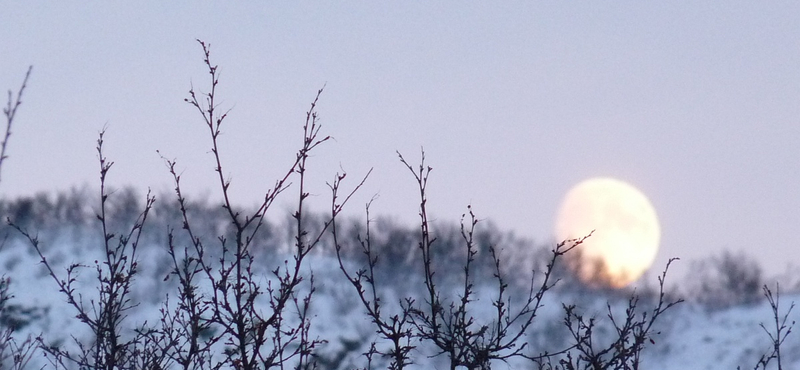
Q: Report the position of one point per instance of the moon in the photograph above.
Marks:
(626, 231)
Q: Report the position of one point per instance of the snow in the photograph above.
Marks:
(691, 336)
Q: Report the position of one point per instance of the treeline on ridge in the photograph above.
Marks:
(719, 281)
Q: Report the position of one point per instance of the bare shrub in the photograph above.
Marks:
(10, 111)
(221, 299)
(224, 316)
(632, 332)
(14, 353)
(449, 325)
(104, 313)
(230, 312)
(778, 330)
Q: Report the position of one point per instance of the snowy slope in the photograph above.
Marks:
(691, 337)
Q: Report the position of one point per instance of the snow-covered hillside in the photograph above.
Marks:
(691, 336)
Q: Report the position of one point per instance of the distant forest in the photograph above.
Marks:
(69, 217)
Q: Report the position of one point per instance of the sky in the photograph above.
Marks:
(696, 104)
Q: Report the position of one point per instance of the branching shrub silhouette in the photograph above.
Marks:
(779, 329)
(218, 291)
(230, 312)
(397, 328)
(10, 111)
(451, 326)
(632, 333)
(104, 314)
(454, 330)
(14, 353)
(227, 311)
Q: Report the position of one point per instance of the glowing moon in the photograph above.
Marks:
(626, 231)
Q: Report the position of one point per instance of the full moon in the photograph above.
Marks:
(626, 231)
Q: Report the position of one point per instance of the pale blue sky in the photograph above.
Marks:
(695, 103)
